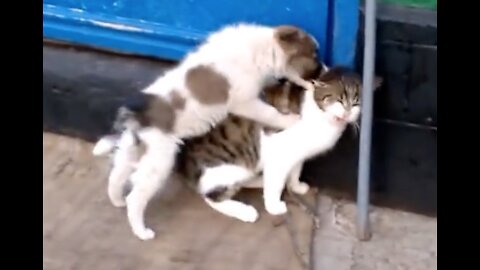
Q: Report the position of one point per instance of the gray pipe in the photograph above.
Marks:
(363, 189)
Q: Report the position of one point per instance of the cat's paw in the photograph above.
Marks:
(277, 208)
(145, 234)
(300, 188)
(249, 214)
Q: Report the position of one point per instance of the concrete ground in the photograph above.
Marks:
(83, 231)
(400, 240)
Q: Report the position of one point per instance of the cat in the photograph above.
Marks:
(233, 154)
(236, 153)
(223, 75)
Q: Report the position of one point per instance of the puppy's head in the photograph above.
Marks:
(300, 49)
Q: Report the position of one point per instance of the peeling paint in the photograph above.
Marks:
(53, 14)
(117, 26)
(76, 10)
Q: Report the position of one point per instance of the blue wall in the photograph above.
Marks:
(168, 29)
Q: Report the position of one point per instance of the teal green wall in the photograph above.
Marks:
(430, 4)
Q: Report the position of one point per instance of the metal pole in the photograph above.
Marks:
(363, 191)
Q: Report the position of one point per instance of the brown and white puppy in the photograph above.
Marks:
(223, 75)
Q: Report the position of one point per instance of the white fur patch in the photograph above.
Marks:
(105, 145)
(223, 175)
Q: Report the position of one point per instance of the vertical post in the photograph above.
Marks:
(363, 190)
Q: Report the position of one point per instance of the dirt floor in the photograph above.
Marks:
(82, 230)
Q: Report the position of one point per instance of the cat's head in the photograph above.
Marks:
(337, 93)
(300, 49)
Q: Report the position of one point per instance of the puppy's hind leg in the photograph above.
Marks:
(152, 172)
(123, 165)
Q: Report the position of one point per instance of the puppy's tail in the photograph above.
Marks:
(130, 114)
(126, 125)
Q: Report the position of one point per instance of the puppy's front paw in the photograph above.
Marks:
(277, 208)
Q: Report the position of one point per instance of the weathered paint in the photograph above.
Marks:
(168, 29)
(343, 31)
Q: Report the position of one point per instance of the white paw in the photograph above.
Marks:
(145, 234)
(300, 188)
(118, 202)
(249, 214)
(116, 199)
(277, 208)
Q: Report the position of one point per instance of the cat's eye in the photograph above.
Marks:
(326, 97)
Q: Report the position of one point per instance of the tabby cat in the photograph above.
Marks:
(234, 154)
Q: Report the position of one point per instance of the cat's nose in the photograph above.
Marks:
(341, 117)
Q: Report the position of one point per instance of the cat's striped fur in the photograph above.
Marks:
(237, 140)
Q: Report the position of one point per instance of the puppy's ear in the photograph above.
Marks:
(287, 33)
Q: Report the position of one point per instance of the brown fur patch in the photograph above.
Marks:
(177, 101)
(285, 97)
(300, 49)
(159, 113)
(207, 86)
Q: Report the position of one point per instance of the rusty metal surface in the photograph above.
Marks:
(82, 230)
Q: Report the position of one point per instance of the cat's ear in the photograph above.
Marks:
(377, 82)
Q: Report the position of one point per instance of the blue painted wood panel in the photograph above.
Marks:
(343, 27)
(168, 29)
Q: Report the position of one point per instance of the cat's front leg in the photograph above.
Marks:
(264, 113)
(294, 181)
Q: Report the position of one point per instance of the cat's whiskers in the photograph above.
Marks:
(355, 127)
